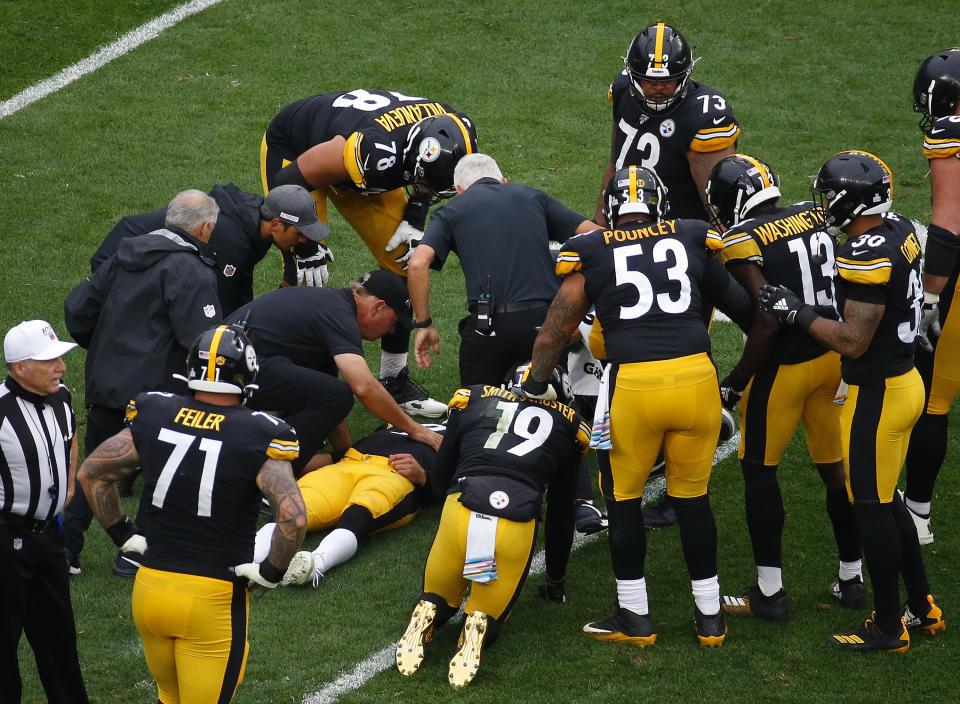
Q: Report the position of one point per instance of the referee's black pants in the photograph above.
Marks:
(35, 599)
(486, 359)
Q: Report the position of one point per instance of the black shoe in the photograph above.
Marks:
(73, 563)
(127, 564)
(753, 603)
(711, 630)
(589, 518)
(930, 623)
(625, 626)
(851, 593)
(412, 397)
(870, 637)
(662, 515)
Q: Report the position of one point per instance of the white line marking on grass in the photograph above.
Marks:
(129, 41)
(384, 659)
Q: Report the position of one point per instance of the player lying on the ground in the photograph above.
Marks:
(378, 484)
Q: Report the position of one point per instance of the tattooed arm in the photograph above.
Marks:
(852, 336)
(565, 313)
(278, 485)
(114, 459)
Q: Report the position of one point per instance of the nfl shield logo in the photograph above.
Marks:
(210, 311)
(18, 543)
(229, 270)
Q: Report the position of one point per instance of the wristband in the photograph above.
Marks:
(805, 317)
(415, 213)
(121, 531)
(271, 573)
(425, 323)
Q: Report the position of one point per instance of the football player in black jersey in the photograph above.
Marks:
(498, 456)
(377, 484)
(365, 150)
(663, 120)
(783, 376)
(879, 286)
(936, 95)
(206, 462)
(646, 278)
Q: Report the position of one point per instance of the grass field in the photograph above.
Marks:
(188, 109)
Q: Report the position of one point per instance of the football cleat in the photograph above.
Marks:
(921, 523)
(625, 626)
(711, 630)
(870, 637)
(930, 623)
(412, 397)
(466, 661)
(851, 593)
(73, 563)
(661, 515)
(409, 653)
(589, 518)
(301, 569)
(754, 603)
(127, 564)
(728, 426)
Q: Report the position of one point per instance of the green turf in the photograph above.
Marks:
(188, 109)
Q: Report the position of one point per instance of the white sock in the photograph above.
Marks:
(632, 595)
(392, 363)
(769, 579)
(261, 543)
(921, 508)
(850, 570)
(706, 594)
(335, 549)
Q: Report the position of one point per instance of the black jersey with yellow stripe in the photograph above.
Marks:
(702, 122)
(793, 248)
(375, 124)
(646, 284)
(882, 266)
(530, 441)
(943, 139)
(200, 463)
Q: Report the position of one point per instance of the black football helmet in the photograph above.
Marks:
(434, 146)
(851, 184)
(739, 183)
(936, 89)
(634, 189)
(559, 380)
(222, 361)
(658, 53)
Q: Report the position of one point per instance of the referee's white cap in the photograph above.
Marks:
(34, 339)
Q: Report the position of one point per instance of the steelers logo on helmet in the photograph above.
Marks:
(251, 356)
(221, 360)
(429, 149)
(499, 499)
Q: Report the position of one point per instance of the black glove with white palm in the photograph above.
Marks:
(409, 231)
(260, 576)
(731, 390)
(784, 304)
(555, 388)
(312, 264)
(126, 536)
(929, 320)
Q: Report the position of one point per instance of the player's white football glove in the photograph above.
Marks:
(135, 543)
(929, 320)
(312, 269)
(405, 234)
(257, 581)
(126, 536)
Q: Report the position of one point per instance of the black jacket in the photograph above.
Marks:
(139, 313)
(236, 239)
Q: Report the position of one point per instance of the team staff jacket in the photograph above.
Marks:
(375, 124)
(646, 285)
(491, 218)
(793, 249)
(702, 122)
(200, 462)
(235, 245)
(501, 451)
(138, 314)
(882, 267)
(305, 324)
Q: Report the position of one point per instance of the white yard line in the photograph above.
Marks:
(384, 658)
(129, 41)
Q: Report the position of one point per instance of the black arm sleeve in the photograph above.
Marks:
(446, 463)
(727, 295)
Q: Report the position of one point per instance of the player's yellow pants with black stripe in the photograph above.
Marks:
(443, 575)
(875, 425)
(374, 217)
(945, 381)
(674, 403)
(361, 480)
(194, 633)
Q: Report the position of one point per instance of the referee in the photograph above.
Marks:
(501, 233)
(37, 470)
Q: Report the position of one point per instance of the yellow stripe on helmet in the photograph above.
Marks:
(764, 172)
(212, 359)
(465, 131)
(879, 160)
(658, 46)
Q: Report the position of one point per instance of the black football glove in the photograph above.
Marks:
(731, 390)
(783, 303)
(553, 590)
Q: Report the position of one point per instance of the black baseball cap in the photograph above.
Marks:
(390, 288)
(295, 206)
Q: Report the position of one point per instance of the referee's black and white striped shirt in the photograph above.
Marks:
(35, 437)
